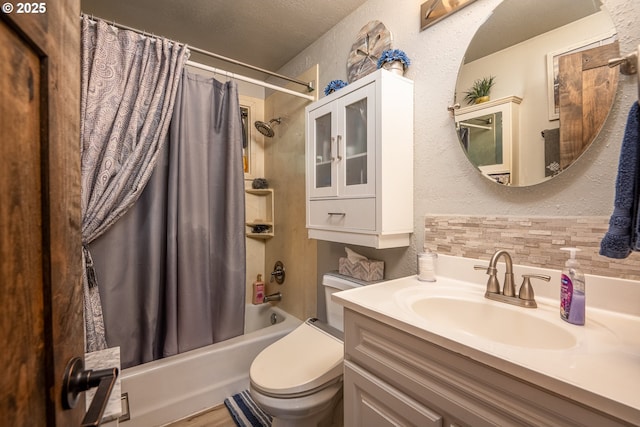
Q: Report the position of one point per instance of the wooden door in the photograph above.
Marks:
(40, 224)
(587, 90)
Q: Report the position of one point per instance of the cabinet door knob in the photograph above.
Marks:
(339, 139)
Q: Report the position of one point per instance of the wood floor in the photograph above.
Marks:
(214, 417)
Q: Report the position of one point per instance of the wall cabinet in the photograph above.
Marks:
(489, 133)
(394, 378)
(359, 163)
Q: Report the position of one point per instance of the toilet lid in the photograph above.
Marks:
(304, 359)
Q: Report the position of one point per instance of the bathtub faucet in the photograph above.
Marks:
(273, 297)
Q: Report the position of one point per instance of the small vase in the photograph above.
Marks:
(482, 99)
(396, 67)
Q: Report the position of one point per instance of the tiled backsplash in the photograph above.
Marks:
(533, 241)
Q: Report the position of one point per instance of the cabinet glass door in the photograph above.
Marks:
(482, 139)
(323, 151)
(487, 136)
(355, 143)
(321, 157)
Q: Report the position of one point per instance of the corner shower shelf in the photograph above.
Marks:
(261, 209)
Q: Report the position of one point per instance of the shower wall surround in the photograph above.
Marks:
(284, 168)
(445, 182)
(255, 248)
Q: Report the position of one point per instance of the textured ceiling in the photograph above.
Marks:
(265, 33)
(269, 33)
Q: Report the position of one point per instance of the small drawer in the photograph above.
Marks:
(352, 214)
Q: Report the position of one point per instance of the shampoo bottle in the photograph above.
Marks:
(572, 291)
(258, 290)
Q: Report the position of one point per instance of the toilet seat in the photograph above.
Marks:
(299, 364)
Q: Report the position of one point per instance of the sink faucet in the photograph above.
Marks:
(525, 297)
(493, 285)
(273, 297)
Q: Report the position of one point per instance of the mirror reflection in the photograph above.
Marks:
(552, 88)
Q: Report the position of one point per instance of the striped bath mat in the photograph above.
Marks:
(245, 412)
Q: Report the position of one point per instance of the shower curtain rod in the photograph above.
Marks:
(249, 80)
(308, 85)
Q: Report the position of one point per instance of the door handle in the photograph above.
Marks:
(333, 139)
(77, 380)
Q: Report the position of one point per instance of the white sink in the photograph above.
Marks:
(514, 326)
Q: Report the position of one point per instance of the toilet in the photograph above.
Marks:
(298, 379)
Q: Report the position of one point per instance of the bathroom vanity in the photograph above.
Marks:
(440, 354)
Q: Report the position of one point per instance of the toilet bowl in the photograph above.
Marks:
(298, 379)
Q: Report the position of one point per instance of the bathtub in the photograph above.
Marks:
(175, 387)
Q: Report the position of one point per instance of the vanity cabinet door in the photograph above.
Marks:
(371, 402)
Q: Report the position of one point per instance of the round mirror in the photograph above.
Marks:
(543, 65)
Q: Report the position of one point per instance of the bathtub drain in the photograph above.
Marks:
(274, 318)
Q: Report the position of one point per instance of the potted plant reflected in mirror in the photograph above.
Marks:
(480, 90)
(394, 60)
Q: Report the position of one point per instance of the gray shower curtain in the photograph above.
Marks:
(172, 269)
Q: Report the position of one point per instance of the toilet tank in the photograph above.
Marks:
(336, 283)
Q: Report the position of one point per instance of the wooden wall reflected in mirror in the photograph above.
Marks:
(586, 86)
(523, 44)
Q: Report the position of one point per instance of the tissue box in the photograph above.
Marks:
(369, 270)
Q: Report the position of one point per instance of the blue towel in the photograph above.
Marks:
(623, 235)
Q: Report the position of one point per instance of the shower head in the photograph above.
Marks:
(267, 128)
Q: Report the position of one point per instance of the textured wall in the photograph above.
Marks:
(445, 182)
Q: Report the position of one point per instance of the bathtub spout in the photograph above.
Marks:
(273, 297)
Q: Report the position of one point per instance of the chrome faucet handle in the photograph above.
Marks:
(278, 273)
(526, 290)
